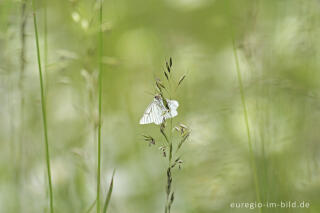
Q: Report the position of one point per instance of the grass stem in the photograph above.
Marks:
(99, 106)
(244, 105)
(43, 106)
(45, 54)
(19, 172)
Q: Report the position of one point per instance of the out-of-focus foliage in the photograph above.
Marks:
(278, 44)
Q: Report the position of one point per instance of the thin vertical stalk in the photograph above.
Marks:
(23, 46)
(169, 176)
(170, 143)
(43, 107)
(244, 105)
(19, 172)
(171, 125)
(99, 106)
(45, 54)
(22, 54)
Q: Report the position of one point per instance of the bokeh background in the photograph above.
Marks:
(278, 46)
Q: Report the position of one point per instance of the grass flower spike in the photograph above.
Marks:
(159, 112)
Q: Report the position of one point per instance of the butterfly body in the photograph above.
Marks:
(157, 111)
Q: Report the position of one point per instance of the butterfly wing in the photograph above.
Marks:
(173, 105)
(153, 114)
(146, 115)
(158, 113)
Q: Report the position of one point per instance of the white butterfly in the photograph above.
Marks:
(156, 112)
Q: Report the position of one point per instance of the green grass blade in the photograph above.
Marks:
(99, 106)
(45, 44)
(43, 106)
(244, 105)
(106, 203)
(91, 206)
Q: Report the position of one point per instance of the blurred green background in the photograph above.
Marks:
(277, 42)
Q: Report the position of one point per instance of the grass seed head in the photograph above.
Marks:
(149, 139)
(163, 150)
(181, 80)
(168, 67)
(166, 75)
